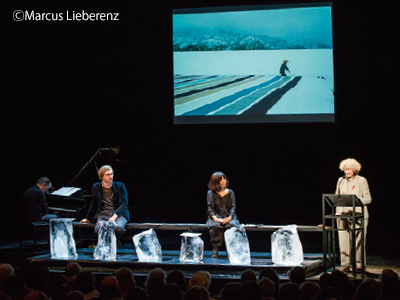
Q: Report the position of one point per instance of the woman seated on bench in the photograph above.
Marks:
(221, 214)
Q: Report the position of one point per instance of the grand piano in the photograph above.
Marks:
(74, 206)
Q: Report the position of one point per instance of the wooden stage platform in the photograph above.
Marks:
(218, 267)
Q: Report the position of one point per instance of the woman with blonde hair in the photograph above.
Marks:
(352, 184)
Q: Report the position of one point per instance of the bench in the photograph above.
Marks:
(191, 227)
(32, 228)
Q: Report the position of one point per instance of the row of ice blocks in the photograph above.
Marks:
(148, 248)
(62, 243)
(286, 248)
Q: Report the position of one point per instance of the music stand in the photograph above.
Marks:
(335, 201)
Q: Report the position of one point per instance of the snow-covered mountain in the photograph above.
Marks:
(215, 39)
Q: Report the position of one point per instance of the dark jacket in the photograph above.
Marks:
(34, 204)
(221, 207)
(283, 68)
(120, 200)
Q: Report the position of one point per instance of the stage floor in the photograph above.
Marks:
(378, 259)
(218, 267)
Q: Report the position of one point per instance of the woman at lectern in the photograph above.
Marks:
(221, 213)
(352, 184)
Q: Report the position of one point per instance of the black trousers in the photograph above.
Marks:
(217, 233)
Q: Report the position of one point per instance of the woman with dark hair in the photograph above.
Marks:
(221, 214)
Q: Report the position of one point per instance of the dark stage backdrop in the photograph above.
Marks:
(75, 86)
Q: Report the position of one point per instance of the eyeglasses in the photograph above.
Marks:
(109, 174)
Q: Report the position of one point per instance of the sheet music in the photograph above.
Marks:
(66, 191)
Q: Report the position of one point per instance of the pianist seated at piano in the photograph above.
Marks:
(110, 202)
(34, 203)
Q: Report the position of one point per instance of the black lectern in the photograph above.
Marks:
(354, 217)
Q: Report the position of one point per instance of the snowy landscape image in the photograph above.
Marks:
(229, 63)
